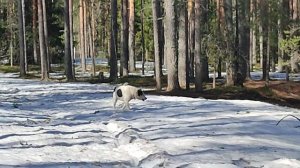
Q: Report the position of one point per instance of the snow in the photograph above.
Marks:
(47, 124)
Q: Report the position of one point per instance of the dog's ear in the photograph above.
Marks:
(140, 92)
(115, 88)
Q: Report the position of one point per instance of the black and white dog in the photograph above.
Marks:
(126, 93)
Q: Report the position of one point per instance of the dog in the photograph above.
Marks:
(126, 93)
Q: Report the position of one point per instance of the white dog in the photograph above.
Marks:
(126, 93)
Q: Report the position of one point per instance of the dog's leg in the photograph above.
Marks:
(126, 105)
(114, 100)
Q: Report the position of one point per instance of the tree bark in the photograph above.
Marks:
(124, 40)
(71, 35)
(82, 37)
(24, 34)
(253, 44)
(21, 40)
(231, 70)
(170, 45)
(46, 34)
(157, 54)
(113, 42)
(68, 58)
(34, 31)
(182, 44)
(131, 40)
(191, 41)
(143, 37)
(44, 59)
(198, 38)
(244, 38)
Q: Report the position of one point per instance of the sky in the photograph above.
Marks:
(48, 124)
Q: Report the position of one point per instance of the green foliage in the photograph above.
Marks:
(290, 45)
(148, 29)
(9, 69)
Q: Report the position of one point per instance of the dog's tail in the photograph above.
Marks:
(124, 84)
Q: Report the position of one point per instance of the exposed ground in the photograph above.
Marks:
(277, 92)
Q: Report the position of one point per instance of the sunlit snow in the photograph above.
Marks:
(74, 125)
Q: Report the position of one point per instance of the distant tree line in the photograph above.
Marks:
(190, 38)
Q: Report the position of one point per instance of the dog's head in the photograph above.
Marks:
(141, 95)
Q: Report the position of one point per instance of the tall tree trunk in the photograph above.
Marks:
(93, 34)
(198, 38)
(113, 42)
(124, 40)
(231, 71)
(34, 31)
(68, 58)
(244, 38)
(191, 40)
(280, 34)
(85, 29)
(253, 26)
(21, 40)
(294, 8)
(71, 36)
(157, 54)
(170, 45)
(24, 34)
(11, 29)
(221, 28)
(261, 42)
(131, 39)
(143, 37)
(44, 59)
(182, 44)
(204, 29)
(81, 34)
(48, 55)
(263, 33)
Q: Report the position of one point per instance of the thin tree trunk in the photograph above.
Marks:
(68, 58)
(280, 38)
(71, 36)
(24, 34)
(34, 31)
(143, 38)
(131, 39)
(155, 11)
(263, 33)
(49, 57)
(81, 34)
(21, 40)
(221, 28)
(85, 30)
(191, 39)
(124, 40)
(253, 28)
(93, 34)
(113, 42)
(11, 43)
(204, 29)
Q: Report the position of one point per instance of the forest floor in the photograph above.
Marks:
(278, 92)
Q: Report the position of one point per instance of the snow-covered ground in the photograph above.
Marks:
(74, 125)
